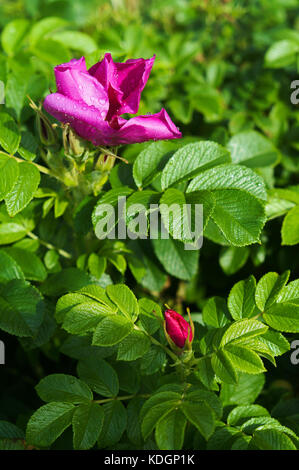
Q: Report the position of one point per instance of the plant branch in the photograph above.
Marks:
(125, 397)
(62, 252)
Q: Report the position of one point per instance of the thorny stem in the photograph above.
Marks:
(112, 154)
(63, 253)
(157, 343)
(257, 316)
(125, 397)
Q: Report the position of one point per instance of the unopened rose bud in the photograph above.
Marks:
(74, 146)
(47, 133)
(177, 329)
(105, 162)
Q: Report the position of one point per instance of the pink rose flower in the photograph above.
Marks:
(177, 328)
(92, 102)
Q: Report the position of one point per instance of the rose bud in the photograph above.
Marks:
(177, 329)
(73, 145)
(46, 131)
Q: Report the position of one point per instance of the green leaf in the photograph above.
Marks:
(15, 90)
(215, 312)
(11, 232)
(10, 431)
(96, 292)
(244, 392)
(283, 317)
(29, 262)
(150, 162)
(230, 177)
(99, 375)
(124, 298)
(87, 424)
(9, 133)
(135, 345)
(128, 376)
(83, 317)
(67, 302)
(13, 35)
(197, 395)
(150, 315)
(276, 342)
(115, 423)
(268, 289)
(239, 216)
(43, 28)
(96, 265)
(175, 259)
(112, 330)
(64, 388)
(48, 423)
(242, 413)
(153, 361)
(192, 159)
(182, 215)
(145, 268)
(9, 268)
(50, 51)
(265, 422)
(76, 40)
(170, 431)
(23, 191)
(205, 373)
(242, 330)
(282, 53)
(244, 359)
(290, 293)
(133, 425)
(207, 199)
(290, 227)
(155, 413)
(67, 280)
(252, 149)
(28, 147)
(21, 308)
(175, 216)
(223, 438)
(271, 439)
(201, 416)
(233, 258)
(79, 347)
(241, 300)
(9, 172)
(223, 367)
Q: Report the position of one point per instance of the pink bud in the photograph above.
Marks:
(177, 328)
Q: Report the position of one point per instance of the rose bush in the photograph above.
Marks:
(91, 361)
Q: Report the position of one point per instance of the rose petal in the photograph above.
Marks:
(149, 127)
(132, 78)
(124, 82)
(81, 87)
(85, 120)
(106, 73)
(75, 64)
(177, 328)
